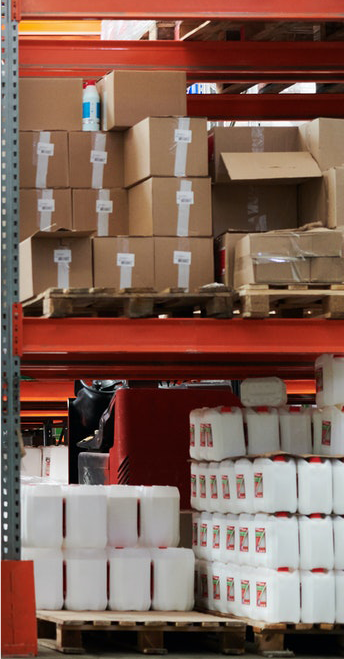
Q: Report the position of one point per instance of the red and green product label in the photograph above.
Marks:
(194, 533)
(202, 486)
(216, 537)
(240, 486)
(258, 485)
(193, 485)
(230, 538)
(202, 438)
(203, 535)
(230, 589)
(216, 588)
(225, 487)
(326, 433)
(243, 539)
(213, 486)
(260, 541)
(261, 594)
(319, 380)
(245, 592)
(47, 466)
(204, 585)
(192, 434)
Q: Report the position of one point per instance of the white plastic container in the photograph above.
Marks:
(48, 576)
(129, 579)
(90, 107)
(206, 536)
(227, 498)
(194, 486)
(296, 429)
(204, 587)
(277, 595)
(317, 429)
(86, 516)
(332, 430)
(122, 507)
(222, 429)
(86, 579)
(316, 542)
(219, 536)
(42, 515)
(196, 529)
(31, 462)
(233, 588)
(338, 537)
(230, 551)
(159, 516)
(203, 486)
(196, 453)
(173, 579)
(55, 463)
(246, 539)
(262, 430)
(275, 485)
(214, 486)
(244, 486)
(329, 376)
(338, 486)
(339, 588)
(317, 596)
(248, 591)
(314, 486)
(276, 541)
(263, 391)
(219, 587)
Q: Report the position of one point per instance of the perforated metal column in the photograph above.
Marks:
(10, 453)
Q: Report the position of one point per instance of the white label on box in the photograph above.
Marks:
(45, 149)
(184, 136)
(104, 206)
(181, 258)
(126, 259)
(46, 205)
(99, 157)
(62, 255)
(185, 197)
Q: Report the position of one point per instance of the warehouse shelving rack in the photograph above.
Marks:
(153, 348)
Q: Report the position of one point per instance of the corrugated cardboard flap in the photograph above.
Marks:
(293, 165)
(62, 233)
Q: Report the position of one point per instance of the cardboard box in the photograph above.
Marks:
(123, 262)
(170, 207)
(225, 255)
(45, 210)
(62, 259)
(324, 139)
(245, 139)
(327, 269)
(248, 271)
(165, 146)
(253, 207)
(183, 263)
(43, 159)
(96, 160)
(334, 183)
(130, 96)
(50, 103)
(271, 167)
(103, 211)
(323, 200)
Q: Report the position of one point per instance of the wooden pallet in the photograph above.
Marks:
(297, 300)
(212, 302)
(62, 630)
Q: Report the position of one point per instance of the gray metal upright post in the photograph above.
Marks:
(10, 449)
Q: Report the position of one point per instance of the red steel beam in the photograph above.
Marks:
(243, 10)
(206, 60)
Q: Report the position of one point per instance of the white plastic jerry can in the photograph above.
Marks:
(339, 587)
(230, 538)
(247, 589)
(318, 602)
(219, 527)
(227, 494)
(48, 576)
(203, 486)
(205, 536)
(219, 587)
(329, 376)
(86, 516)
(195, 434)
(122, 515)
(276, 541)
(244, 486)
(246, 539)
(129, 579)
(275, 485)
(159, 516)
(316, 542)
(296, 429)
(194, 486)
(317, 430)
(262, 430)
(31, 462)
(314, 486)
(222, 433)
(55, 463)
(338, 537)
(338, 486)
(263, 391)
(213, 486)
(233, 589)
(86, 579)
(173, 579)
(204, 584)
(277, 595)
(196, 525)
(42, 514)
(332, 430)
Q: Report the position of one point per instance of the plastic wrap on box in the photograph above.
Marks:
(93, 468)
(124, 30)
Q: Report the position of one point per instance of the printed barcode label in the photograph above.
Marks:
(181, 135)
(126, 259)
(99, 157)
(45, 149)
(182, 258)
(185, 197)
(104, 206)
(62, 255)
(46, 205)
